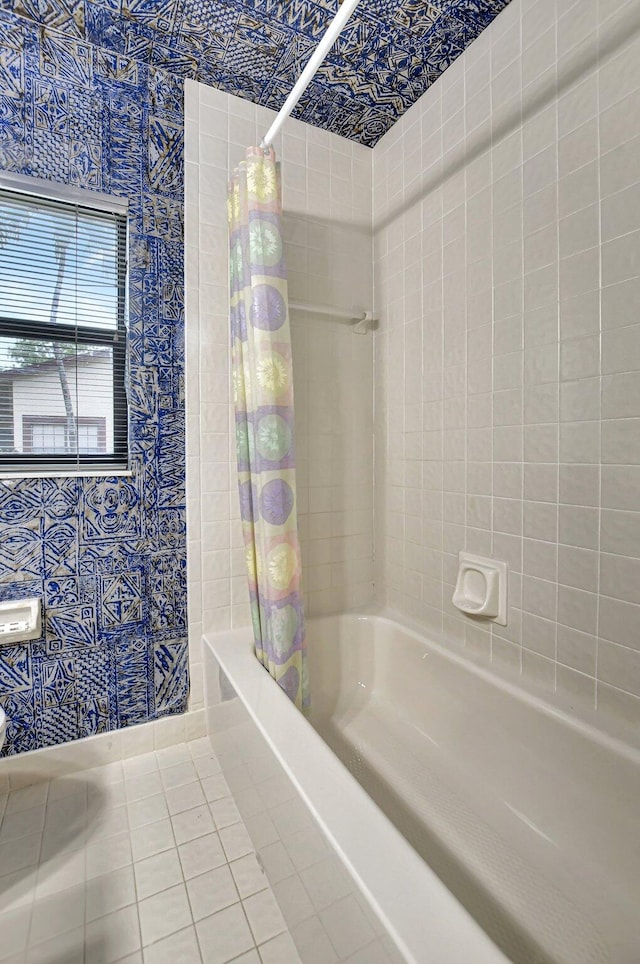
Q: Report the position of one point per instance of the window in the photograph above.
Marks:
(62, 328)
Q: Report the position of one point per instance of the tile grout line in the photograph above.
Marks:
(127, 775)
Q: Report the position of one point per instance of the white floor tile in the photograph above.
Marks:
(67, 786)
(137, 766)
(14, 927)
(224, 935)
(164, 914)
(106, 774)
(62, 841)
(190, 824)
(179, 948)
(113, 937)
(107, 855)
(27, 797)
(61, 872)
(66, 816)
(152, 839)
(185, 798)
(135, 958)
(57, 914)
(200, 855)
(198, 748)
(250, 957)
(87, 778)
(18, 889)
(107, 797)
(207, 765)
(236, 841)
(20, 853)
(107, 821)
(22, 822)
(67, 947)
(87, 902)
(145, 785)
(178, 775)
(157, 873)
(147, 810)
(110, 893)
(211, 892)
(171, 755)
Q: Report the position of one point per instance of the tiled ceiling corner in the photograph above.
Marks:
(390, 52)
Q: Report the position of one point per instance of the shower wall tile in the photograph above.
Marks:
(507, 363)
(327, 186)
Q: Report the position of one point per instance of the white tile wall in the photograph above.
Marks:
(507, 277)
(327, 186)
(506, 255)
(61, 760)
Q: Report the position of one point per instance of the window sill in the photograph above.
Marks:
(105, 473)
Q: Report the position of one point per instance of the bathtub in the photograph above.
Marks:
(477, 824)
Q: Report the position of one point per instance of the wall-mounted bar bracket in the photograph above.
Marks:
(360, 319)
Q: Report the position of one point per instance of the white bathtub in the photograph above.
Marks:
(514, 831)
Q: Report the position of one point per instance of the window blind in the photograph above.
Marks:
(62, 334)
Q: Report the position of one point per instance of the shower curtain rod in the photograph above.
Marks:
(305, 78)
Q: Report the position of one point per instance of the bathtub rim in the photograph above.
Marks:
(423, 913)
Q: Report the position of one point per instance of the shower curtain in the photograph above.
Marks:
(263, 395)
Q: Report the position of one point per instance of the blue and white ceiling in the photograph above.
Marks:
(388, 55)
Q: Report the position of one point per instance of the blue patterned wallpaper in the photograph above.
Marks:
(107, 556)
(390, 52)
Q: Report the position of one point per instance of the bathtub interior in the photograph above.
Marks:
(329, 917)
(508, 802)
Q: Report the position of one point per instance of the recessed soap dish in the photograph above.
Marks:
(481, 588)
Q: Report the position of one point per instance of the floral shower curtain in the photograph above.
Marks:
(263, 393)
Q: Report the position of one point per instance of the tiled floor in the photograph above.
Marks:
(147, 860)
(329, 918)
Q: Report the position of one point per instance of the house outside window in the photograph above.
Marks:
(42, 435)
(62, 328)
